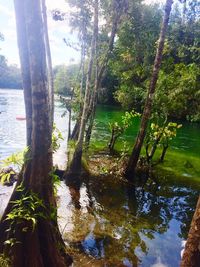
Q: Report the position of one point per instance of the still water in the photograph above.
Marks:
(13, 131)
(107, 222)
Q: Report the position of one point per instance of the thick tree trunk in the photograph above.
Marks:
(130, 169)
(41, 246)
(49, 64)
(75, 165)
(25, 66)
(191, 255)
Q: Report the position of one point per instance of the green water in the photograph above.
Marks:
(113, 223)
(187, 140)
(183, 156)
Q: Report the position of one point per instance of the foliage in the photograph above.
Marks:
(4, 261)
(65, 79)
(118, 128)
(160, 135)
(16, 159)
(167, 133)
(6, 175)
(134, 54)
(178, 92)
(56, 138)
(55, 180)
(28, 208)
(10, 76)
(177, 95)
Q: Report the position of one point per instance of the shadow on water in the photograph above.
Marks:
(113, 223)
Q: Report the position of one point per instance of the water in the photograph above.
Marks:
(13, 131)
(186, 141)
(106, 221)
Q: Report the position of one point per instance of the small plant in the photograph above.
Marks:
(28, 208)
(16, 159)
(12, 163)
(160, 136)
(7, 176)
(55, 180)
(56, 138)
(118, 128)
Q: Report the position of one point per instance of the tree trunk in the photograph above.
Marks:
(118, 11)
(49, 63)
(41, 246)
(75, 165)
(191, 255)
(75, 132)
(25, 66)
(132, 163)
(165, 147)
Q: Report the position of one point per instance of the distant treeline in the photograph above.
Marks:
(10, 76)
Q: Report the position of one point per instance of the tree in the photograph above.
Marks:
(29, 232)
(119, 8)
(49, 63)
(130, 169)
(191, 255)
(134, 54)
(81, 21)
(75, 164)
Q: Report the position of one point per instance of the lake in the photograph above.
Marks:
(107, 222)
(13, 131)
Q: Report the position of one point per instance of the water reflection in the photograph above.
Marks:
(117, 224)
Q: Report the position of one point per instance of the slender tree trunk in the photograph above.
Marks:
(130, 169)
(75, 132)
(70, 119)
(118, 11)
(49, 64)
(153, 149)
(164, 151)
(75, 165)
(191, 255)
(82, 63)
(41, 246)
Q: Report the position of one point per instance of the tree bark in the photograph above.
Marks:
(132, 163)
(41, 246)
(191, 255)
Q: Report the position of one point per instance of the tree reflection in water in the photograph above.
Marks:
(118, 224)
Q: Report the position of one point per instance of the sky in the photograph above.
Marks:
(61, 54)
